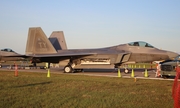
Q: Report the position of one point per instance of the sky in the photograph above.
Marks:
(92, 23)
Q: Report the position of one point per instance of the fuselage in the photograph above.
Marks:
(115, 55)
(134, 53)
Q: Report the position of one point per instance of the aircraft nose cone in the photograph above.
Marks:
(172, 54)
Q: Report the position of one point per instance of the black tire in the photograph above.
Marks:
(78, 70)
(165, 76)
(68, 69)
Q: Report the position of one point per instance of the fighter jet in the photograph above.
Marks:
(10, 55)
(40, 48)
(5, 53)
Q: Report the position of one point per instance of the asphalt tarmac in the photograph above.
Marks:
(135, 73)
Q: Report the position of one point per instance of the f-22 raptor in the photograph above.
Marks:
(6, 52)
(41, 50)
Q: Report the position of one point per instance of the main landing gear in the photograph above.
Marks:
(126, 71)
(68, 69)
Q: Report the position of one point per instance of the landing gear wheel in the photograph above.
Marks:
(78, 70)
(68, 69)
(81, 70)
(126, 71)
(165, 76)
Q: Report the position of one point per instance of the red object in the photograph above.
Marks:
(176, 89)
(16, 70)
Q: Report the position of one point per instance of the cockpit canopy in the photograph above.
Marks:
(7, 50)
(141, 44)
(177, 58)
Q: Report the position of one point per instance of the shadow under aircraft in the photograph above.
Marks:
(41, 50)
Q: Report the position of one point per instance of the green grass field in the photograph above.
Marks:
(35, 90)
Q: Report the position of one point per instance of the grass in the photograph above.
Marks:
(35, 90)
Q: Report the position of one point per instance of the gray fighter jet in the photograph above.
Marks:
(10, 55)
(5, 53)
(40, 48)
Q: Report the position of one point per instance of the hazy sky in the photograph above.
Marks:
(92, 23)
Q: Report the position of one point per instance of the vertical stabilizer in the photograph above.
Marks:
(58, 41)
(38, 43)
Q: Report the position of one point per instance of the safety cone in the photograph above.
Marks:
(119, 73)
(132, 73)
(146, 73)
(144, 66)
(48, 74)
(16, 70)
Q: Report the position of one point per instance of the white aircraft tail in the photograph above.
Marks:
(38, 43)
(57, 40)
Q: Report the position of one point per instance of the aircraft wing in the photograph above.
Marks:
(23, 56)
(59, 55)
(56, 57)
(52, 58)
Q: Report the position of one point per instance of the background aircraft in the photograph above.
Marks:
(4, 53)
(41, 49)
